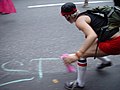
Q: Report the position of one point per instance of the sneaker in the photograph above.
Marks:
(72, 85)
(108, 64)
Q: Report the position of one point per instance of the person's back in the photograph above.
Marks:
(97, 23)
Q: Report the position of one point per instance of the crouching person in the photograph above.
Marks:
(88, 24)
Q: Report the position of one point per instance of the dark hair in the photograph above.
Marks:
(68, 8)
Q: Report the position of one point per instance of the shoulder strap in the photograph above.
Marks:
(82, 13)
(111, 11)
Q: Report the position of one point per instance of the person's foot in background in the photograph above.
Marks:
(85, 4)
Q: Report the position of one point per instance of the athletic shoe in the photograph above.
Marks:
(72, 85)
(102, 65)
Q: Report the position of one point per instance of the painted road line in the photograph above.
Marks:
(45, 59)
(59, 4)
(3, 66)
(40, 72)
(40, 64)
(17, 81)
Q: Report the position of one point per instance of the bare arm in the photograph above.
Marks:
(82, 24)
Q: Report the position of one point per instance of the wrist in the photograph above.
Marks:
(79, 54)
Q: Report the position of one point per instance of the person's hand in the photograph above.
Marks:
(70, 58)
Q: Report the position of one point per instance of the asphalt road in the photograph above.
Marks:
(31, 42)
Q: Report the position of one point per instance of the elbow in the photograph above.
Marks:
(93, 37)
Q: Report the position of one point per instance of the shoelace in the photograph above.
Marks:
(74, 84)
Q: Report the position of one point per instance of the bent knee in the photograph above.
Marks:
(93, 53)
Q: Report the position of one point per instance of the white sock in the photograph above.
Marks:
(81, 68)
(104, 59)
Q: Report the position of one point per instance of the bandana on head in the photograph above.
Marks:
(68, 8)
(69, 13)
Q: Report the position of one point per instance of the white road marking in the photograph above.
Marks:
(58, 4)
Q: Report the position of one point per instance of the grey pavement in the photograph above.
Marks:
(31, 42)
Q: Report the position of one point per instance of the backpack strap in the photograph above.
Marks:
(102, 31)
(111, 11)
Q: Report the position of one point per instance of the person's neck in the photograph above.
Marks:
(77, 16)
